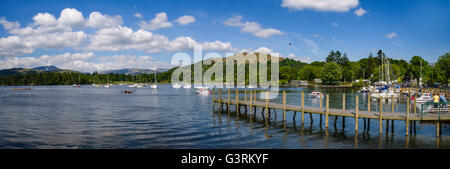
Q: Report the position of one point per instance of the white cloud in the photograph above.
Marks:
(321, 5)
(391, 35)
(13, 46)
(318, 36)
(184, 20)
(138, 15)
(83, 62)
(72, 17)
(124, 38)
(160, 21)
(263, 50)
(234, 21)
(7, 25)
(188, 43)
(45, 32)
(301, 59)
(98, 20)
(252, 27)
(335, 24)
(360, 12)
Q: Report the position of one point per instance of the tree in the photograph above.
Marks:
(287, 74)
(331, 73)
(442, 69)
(309, 72)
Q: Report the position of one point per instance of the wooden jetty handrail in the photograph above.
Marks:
(357, 113)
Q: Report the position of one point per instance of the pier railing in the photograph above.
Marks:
(409, 117)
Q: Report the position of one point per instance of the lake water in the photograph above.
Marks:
(89, 117)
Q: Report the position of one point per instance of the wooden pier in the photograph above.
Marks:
(409, 117)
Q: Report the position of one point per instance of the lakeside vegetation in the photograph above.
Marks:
(336, 69)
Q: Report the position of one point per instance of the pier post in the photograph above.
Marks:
(321, 106)
(251, 105)
(303, 108)
(437, 128)
(368, 103)
(356, 113)
(327, 110)
(343, 101)
(415, 107)
(245, 95)
(267, 104)
(214, 92)
(238, 109)
(407, 116)
(392, 102)
(284, 105)
(381, 115)
(228, 105)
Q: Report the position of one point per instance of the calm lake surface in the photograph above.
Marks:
(89, 117)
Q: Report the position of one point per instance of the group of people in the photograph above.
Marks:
(439, 98)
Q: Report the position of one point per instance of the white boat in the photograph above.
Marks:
(315, 94)
(204, 91)
(177, 86)
(154, 86)
(364, 90)
(385, 94)
(140, 86)
(201, 87)
(187, 86)
(106, 86)
(426, 97)
(133, 85)
(251, 87)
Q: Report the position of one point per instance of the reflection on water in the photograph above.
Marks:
(88, 117)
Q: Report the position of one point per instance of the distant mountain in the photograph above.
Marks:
(14, 71)
(47, 68)
(133, 71)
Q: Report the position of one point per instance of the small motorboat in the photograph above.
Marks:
(315, 94)
(177, 86)
(364, 90)
(426, 97)
(153, 86)
(204, 91)
(107, 86)
(188, 86)
(133, 85)
(251, 87)
(127, 91)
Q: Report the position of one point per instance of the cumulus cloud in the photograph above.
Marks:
(391, 35)
(138, 15)
(124, 38)
(72, 17)
(160, 21)
(335, 24)
(188, 43)
(301, 59)
(321, 5)
(252, 27)
(264, 50)
(84, 62)
(360, 12)
(48, 32)
(184, 20)
(98, 20)
(45, 32)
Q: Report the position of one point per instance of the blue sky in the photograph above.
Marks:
(120, 36)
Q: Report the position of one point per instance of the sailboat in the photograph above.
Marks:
(108, 85)
(154, 86)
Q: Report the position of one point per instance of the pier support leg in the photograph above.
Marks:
(437, 129)
(295, 114)
(327, 111)
(303, 108)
